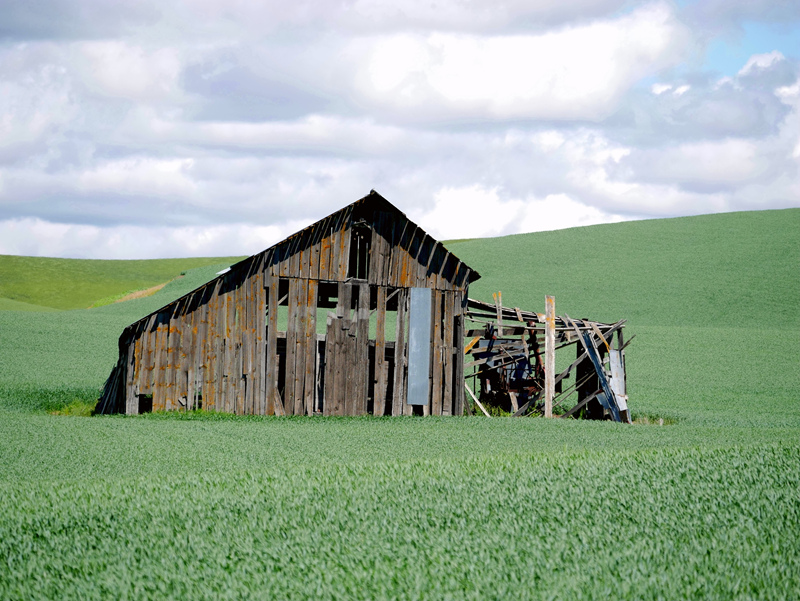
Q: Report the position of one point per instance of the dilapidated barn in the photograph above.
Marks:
(359, 313)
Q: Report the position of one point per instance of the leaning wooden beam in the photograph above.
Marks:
(549, 355)
(580, 405)
(561, 398)
(588, 344)
(477, 402)
(600, 335)
(524, 408)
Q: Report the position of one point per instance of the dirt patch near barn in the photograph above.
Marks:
(141, 293)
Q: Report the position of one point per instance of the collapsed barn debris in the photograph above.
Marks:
(361, 313)
(513, 363)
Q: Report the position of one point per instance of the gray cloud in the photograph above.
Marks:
(22, 20)
(700, 107)
(230, 124)
(723, 14)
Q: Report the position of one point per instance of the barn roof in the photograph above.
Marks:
(404, 233)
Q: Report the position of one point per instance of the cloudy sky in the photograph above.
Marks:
(141, 129)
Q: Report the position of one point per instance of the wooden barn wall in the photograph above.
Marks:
(218, 347)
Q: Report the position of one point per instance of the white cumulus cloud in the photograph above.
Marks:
(573, 73)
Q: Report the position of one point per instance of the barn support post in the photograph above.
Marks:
(549, 354)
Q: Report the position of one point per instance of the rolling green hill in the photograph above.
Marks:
(80, 283)
(209, 506)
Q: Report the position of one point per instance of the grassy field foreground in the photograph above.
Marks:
(218, 507)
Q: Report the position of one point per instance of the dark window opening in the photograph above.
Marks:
(283, 291)
(360, 240)
(327, 295)
(281, 349)
(145, 403)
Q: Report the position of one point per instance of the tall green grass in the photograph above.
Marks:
(208, 506)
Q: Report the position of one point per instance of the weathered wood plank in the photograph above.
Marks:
(220, 377)
(458, 400)
(331, 355)
(139, 367)
(248, 332)
(337, 233)
(197, 353)
(295, 254)
(169, 364)
(423, 258)
(159, 392)
(349, 350)
(229, 376)
(282, 258)
(291, 349)
(498, 301)
(303, 255)
(398, 390)
(435, 369)
(298, 375)
(130, 374)
(209, 350)
(410, 275)
(405, 233)
(340, 378)
(448, 348)
(325, 249)
(313, 260)
(477, 402)
(342, 251)
(379, 402)
(184, 352)
(376, 250)
(150, 358)
(259, 356)
(240, 331)
(271, 368)
(310, 346)
(210, 392)
(362, 354)
(435, 266)
(173, 361)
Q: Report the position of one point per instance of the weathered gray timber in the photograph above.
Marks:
(341, 288)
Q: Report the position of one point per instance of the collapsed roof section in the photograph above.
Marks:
(513, 363)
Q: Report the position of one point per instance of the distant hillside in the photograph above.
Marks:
(723, 270)
(80, 283)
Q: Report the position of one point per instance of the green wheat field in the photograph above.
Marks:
(212, 506)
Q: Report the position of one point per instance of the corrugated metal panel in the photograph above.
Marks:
(617, 379)
(419, 346)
